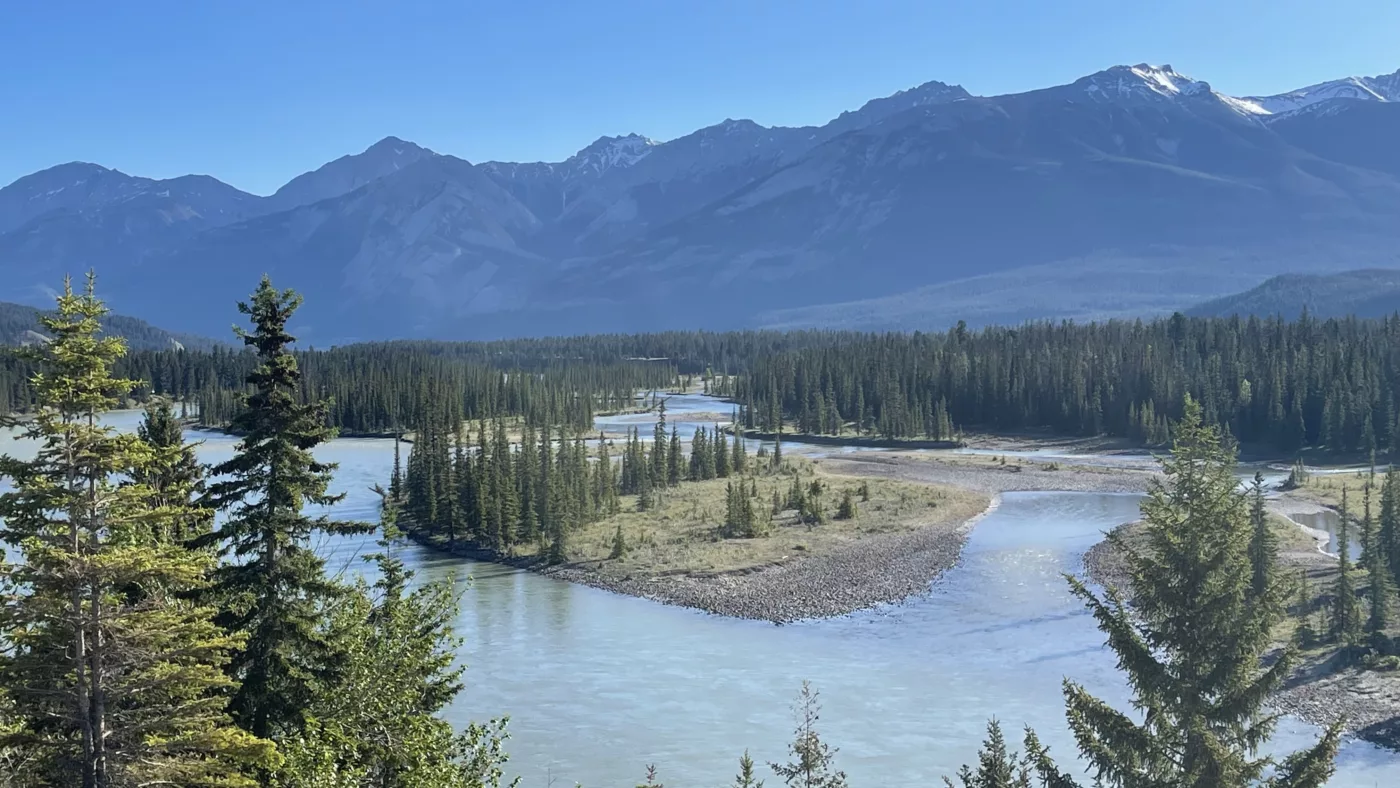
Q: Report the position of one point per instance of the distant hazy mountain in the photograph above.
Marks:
(346, 174)
(1134, 190)
(19, 325)
(1366, 293)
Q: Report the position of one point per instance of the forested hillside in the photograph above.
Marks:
(19, 325)
(1366, 293)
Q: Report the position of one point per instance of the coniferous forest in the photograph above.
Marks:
(1279, 385)
(163, 623)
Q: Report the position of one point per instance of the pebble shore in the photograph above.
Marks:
(876, 570)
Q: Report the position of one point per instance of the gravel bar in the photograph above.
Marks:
(872, 571)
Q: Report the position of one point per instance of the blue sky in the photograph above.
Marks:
(255, 92)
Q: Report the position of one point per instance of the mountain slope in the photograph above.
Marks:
(436, 241)
(1131, 159)
(1384, 88)
(345, 174)
(1364, 293)
(1135, 189)
(19, 325)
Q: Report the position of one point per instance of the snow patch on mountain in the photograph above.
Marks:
(1142, 81)
(1382, 88)
(608, 152)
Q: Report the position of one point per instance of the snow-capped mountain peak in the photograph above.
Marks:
(1381, 88)
(1141, 81)
(605, 153)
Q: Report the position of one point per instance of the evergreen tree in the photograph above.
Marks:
(107, 687)
(746, 777)
(1306, 635)
(740, 461)
(1263, 549)
(1193, 641)
(1388, 531)
(396, 478)
(659, 465)
(1378, 576)
(273, 588)
(1346, 618)
(174, 475)
(376, 724)
(847, 509)
(811, 760)
(674, 459)
(720, 450)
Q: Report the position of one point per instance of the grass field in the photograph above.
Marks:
(680, 535)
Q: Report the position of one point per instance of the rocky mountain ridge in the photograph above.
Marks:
(1147, 187)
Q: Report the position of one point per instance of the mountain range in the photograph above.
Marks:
(1132, 191)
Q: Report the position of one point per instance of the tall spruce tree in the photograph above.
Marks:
(1263, 545)
(1192, 643)
(272, 588)
(107, 687)
(1378, 578)
(1346, 617)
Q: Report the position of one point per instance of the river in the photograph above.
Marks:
(599, 685)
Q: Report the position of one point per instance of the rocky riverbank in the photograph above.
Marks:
(871, 571)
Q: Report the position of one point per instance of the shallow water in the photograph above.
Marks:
(1330, 522)
(598, 685)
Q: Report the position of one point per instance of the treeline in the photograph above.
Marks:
(497, 492)
(1287, 385)
(147, 641)
(385, 388)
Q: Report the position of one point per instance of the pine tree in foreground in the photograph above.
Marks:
(112, 677)
(746, 777)
(1193, 641)
(998, 767)
(811, 763)
(377, 724)
(272, 586)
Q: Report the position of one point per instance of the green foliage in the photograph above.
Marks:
(374, 723)
(746, 777)
(740, 516)
(1193, 641)
(1263, 545)
(272, 588)
(811, 761)
(1345, 627)
(998, 767)
(112, 676)
(847, 510)
(175, 477)
(1270, 382)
